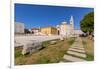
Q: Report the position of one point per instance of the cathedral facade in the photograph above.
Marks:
(65, 29)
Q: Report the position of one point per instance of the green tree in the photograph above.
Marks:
(87, 23)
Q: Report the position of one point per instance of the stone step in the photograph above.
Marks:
(77, 54)
(73, 59)
(64, 60)
(77, 46)
(61, 62)
(77, 50)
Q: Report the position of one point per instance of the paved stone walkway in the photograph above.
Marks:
(75, 53)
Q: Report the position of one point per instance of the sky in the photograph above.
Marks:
(35, 16)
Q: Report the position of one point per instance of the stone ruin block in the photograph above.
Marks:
(61, 38)
(31, 47)
(53, 42)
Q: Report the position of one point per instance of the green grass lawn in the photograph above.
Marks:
(18, 52)
(51, 53)
(89, 48)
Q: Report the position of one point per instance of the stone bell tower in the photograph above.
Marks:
(72, 22)
(72, 26)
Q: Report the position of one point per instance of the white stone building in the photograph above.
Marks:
(19, 27)
(62, 29)
(65, 29)
(35, 30)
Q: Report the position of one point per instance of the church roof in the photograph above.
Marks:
(64, 22)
